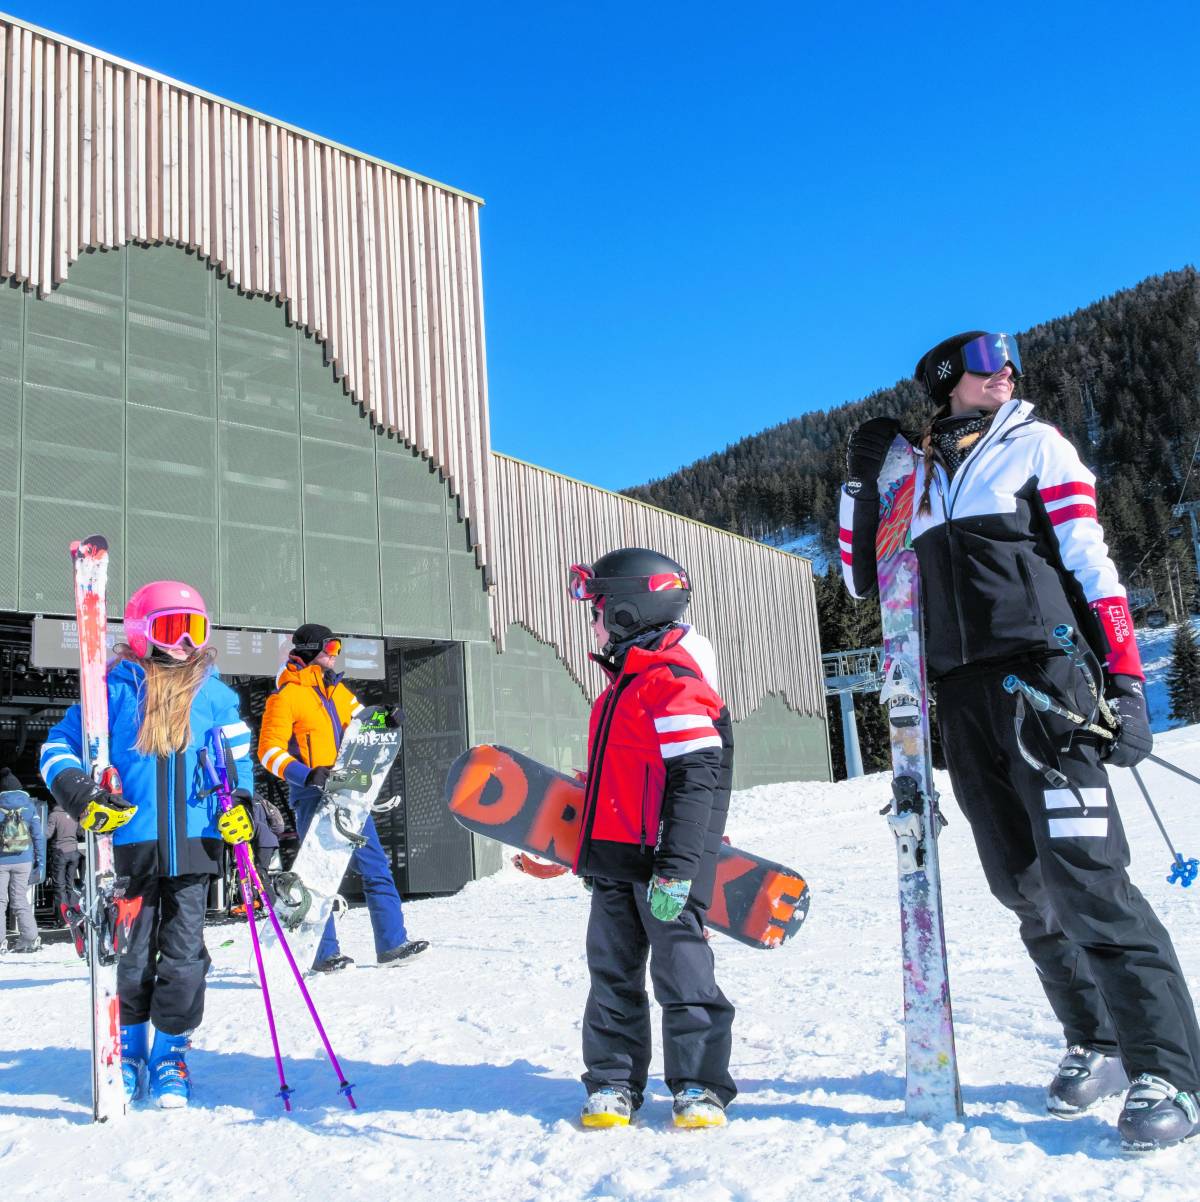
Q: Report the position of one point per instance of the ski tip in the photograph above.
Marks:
(92, 545)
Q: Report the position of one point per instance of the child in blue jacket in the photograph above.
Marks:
(164, 702)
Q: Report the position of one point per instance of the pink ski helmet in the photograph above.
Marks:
(163, 613)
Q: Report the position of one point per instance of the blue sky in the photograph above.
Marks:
(703, 219)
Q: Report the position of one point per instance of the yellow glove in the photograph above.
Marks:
(235, 825)
(103, 816)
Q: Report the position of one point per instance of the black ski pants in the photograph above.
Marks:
(66, 872)
(697, 1019)
(1057, 859)
(160, 975)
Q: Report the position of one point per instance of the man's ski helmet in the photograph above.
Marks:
(641, 589)
(939, 370)
(163, 613)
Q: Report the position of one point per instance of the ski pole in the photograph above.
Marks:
(1065, 635)
(1157, 759)
(221, 787)
(1183, 872)
(344, 1086)
(1042, 703)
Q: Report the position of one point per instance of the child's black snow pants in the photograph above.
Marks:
(697, 1018)
(1057, 859)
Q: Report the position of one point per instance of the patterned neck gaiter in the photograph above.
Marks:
(954, 438)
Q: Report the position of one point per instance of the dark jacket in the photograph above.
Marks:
(660, 768)
(1010, 549)
(62, 832)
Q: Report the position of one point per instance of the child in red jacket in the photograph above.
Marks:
(660, 771)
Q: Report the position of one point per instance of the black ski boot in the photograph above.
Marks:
(405, 952)
(1156, 1115)
(332, 963)
(1084, 1078)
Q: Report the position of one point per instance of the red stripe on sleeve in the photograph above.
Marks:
(1056, 492)
(847, 558)
(845, 535)
(1068, 513)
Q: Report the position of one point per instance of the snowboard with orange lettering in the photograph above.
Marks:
(507, 796)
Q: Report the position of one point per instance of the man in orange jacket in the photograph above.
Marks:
(301, 732)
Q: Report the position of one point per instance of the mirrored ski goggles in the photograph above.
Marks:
(332, 646)
(168, 630)
(584, 586)
(985, 356)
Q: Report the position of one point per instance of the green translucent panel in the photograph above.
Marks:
(11, 317)
(538, 708)
(256, 359)
(261, 580)
(468, 601)
(774, 744)
(75, 337)
(171, 334)
(73, 434)
(412, 544)
(171, 499)
(341, 536)
(325, 409)
(481, 703)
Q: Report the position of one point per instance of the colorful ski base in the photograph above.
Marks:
(101, 885)
(932, 1092)
(507, 796)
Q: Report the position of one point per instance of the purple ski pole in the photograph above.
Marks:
(344, 1086)
(241, 853)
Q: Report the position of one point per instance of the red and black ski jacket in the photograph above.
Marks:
(660, 767)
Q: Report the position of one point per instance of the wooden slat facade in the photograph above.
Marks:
(756, 604)
(381, 265)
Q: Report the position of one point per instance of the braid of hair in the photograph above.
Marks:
(927, 455)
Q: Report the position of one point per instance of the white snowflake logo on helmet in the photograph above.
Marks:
(944, 369)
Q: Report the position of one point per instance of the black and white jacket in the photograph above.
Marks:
(1010, 549)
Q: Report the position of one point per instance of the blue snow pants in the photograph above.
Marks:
(371, 863)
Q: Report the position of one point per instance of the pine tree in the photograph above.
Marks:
(1183, 679)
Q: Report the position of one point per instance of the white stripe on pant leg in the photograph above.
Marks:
(1065, 799)
(1078, 828)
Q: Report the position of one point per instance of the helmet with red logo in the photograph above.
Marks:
(165, 613)
(640, 589)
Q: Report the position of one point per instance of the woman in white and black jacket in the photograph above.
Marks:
(1009, 546)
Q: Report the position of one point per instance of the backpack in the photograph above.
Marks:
(15, 835)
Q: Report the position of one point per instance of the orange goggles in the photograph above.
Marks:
(332, 646)
(168, 630)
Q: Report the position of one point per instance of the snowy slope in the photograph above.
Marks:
(466, 1062)
(1155, 646)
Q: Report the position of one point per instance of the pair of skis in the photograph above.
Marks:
(932, 1092)
(97, 923)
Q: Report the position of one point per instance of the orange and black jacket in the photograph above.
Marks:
(303, 722)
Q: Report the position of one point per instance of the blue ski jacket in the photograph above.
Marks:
(174, 830)
(35, 853)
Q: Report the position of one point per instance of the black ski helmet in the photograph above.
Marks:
(939, 370)
(641, 589)
(309, 639)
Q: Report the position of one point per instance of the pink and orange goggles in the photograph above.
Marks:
(584, 585)
(168, 630)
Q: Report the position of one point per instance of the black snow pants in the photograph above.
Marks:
(160, 975)
(697, 1018)
(1057, 859)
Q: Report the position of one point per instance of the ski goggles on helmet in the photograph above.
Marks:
(987, 355)
(168, 630)
(584, 585)
(332, 646)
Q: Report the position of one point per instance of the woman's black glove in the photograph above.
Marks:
(1133, 740)
(316, 778)
(865, 453)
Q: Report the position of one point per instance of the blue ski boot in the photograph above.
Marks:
(170, 1085)
(135, 1047)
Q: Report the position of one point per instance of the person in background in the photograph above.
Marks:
(22, 848)
(66, 859)
(302, 727)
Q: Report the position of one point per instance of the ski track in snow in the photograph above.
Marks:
(466, 1062)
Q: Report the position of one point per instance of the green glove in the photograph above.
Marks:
(667, 898)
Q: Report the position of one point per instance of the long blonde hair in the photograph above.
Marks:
(168, 693)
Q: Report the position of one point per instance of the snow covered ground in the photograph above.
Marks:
(466, 1062)
(1155, 646)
